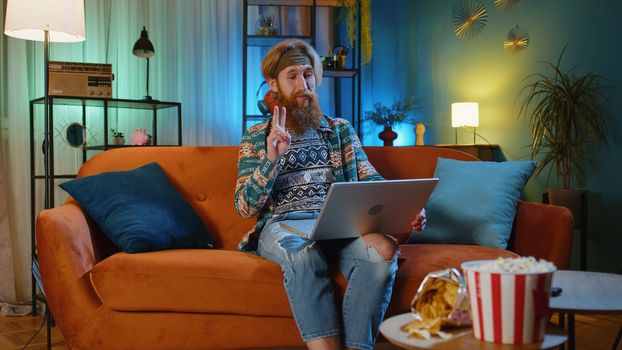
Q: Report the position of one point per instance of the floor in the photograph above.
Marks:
(593, 332)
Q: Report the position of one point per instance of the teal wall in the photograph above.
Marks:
(416, 53)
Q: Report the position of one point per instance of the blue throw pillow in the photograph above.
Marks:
(140, 210)
(474, 202)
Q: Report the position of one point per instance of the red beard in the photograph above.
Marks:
(301, 118)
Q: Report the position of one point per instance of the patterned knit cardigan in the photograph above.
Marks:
(256, 174)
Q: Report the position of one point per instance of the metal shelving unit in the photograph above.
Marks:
(83, 103)
(352, 73)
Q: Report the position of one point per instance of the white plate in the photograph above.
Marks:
(390, 329)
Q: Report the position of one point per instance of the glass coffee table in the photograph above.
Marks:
(585, 292)
(462, 338)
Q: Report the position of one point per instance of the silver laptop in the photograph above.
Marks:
(355, 208)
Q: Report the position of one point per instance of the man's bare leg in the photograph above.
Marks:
(328, 343)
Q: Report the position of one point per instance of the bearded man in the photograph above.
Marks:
(285, 168)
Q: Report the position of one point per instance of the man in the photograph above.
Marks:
(285, 168)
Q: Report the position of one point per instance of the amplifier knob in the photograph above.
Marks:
(91, 92)
(100, 93)
(108, 93)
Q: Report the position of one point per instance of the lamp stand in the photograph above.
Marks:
(456, 132)
(148, 98)
(47, 136)
(474, 128)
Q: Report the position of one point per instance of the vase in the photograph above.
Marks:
(387, 135)
(118, 140)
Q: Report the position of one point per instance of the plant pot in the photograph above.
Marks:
(266, 31)
(576, 201)
(387, 135)
(573, 199)
(119, 141)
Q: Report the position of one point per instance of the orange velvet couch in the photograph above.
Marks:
(222, 298)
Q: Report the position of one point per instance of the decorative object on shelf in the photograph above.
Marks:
(143, 48)
(266, 26)
(80, 79)
(340, 54)
(506, 6)
(397, 113)
(387, 135)
(118, 138)
(47, 21)
(329, 62)
(465, 114)
(566, 111)
(74, 135)
(516, 41)
(360, 8)
(469, 18)
(419, 132)
(140, 138)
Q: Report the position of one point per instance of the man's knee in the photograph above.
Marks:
(384, 246)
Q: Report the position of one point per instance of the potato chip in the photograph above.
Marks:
(422, 329)
(440, 298)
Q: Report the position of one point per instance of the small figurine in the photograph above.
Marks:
(419, 131)
(140, 137)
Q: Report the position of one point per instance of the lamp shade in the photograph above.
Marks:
(28, 19)
(465, 114)
(143, 46)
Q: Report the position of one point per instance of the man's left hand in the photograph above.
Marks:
(418, 223)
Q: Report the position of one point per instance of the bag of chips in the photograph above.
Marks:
(440, 301)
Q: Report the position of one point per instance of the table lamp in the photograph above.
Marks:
(47, 21)
(144, 48)
(465, 114)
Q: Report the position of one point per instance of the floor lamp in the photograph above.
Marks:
(47, 21)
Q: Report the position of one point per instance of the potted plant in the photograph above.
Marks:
(389, 116)
(266, 26)
(117, 137)
(566, 111)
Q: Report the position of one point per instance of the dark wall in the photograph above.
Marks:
(416, 53)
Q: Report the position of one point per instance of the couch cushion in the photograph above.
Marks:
(230, 282)
(140, 210)
(217, 281)
(474, 202)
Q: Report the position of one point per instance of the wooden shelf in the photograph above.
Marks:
(269, 41)
(110, 102)
(331, 3)
(484, 152)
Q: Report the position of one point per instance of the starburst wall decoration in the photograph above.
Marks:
(469, 18)
(506, 6)
(516, 41)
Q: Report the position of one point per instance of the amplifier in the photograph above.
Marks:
(80, 79)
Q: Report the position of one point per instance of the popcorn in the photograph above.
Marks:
(516, 265)
(509, 298)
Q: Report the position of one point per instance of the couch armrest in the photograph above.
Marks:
(543, 231)
(66, 256)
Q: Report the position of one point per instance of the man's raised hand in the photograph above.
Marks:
(279, 139)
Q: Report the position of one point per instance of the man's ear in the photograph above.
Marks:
(272, 84)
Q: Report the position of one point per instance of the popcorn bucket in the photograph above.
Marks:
(508, 307)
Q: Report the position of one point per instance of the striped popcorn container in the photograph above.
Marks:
(507, 308)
